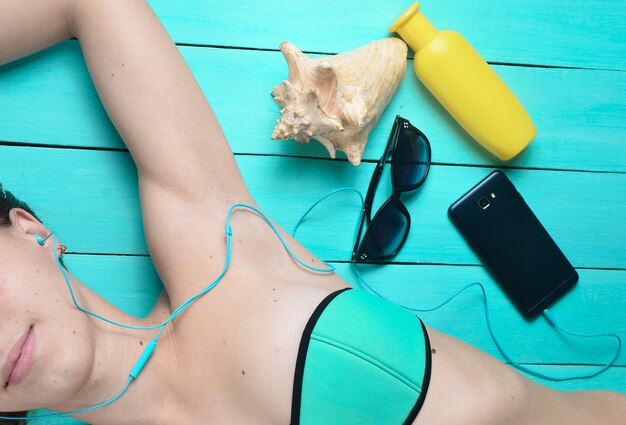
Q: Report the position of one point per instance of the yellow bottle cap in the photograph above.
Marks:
(414, 28)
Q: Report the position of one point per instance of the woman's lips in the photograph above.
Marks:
(19, 360)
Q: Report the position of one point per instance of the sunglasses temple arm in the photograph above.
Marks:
(357, 235)
(371, 190)
(378, 171)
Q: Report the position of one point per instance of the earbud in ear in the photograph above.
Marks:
(41, 240)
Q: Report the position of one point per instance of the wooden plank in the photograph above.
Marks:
(613, 380)
(69, 188)
(584, 212)
(537, 32)
(580, 114)
(82, 192)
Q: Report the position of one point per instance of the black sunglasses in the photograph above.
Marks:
(410, 161)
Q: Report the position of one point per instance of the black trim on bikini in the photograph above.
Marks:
(296, 399)
(425, 381)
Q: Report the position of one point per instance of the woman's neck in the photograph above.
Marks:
(150, 396)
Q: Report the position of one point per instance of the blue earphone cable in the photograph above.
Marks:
(506, 356)
(143, 359)
(547, 314)
(186, 304)
(141, 362)
(70, 412)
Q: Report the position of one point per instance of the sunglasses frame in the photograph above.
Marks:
(400, 124)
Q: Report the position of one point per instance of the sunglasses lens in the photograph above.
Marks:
(385, 234)
(411, 159)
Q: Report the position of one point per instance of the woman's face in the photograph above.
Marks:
(46, 344)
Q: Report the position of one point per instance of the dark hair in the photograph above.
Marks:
(7, 202)
(13, 415)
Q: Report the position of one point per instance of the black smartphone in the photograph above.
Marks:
(512, 243)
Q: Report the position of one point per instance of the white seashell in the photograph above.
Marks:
(338, 99)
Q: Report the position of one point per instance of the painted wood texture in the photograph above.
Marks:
(536, 32)
(580, 114)
(60, 153)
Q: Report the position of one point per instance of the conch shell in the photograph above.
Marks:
(338, 99)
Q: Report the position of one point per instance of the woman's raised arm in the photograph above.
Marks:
(145, 85)
(183, 159)
(154, 100)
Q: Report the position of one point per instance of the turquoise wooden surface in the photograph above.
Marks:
(60, 153)
(55, 87)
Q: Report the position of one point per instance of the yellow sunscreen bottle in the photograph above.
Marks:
(466, 86)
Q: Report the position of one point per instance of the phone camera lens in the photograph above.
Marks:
(483, 203)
